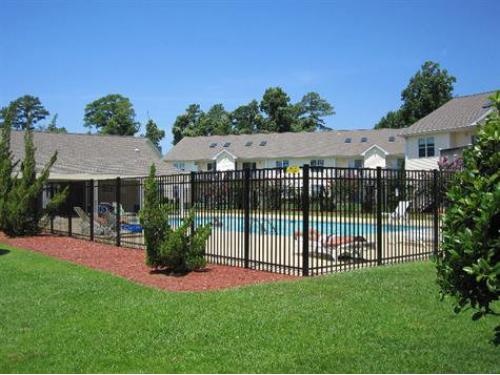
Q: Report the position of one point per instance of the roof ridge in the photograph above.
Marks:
(476, 94)
(38, 131)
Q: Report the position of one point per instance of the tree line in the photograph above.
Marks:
(428, 89)
(112, 114)
(274, 113)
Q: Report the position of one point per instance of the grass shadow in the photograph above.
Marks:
(4, 252)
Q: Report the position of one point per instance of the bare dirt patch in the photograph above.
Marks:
(129, 263)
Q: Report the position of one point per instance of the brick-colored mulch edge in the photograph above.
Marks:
(129, 263)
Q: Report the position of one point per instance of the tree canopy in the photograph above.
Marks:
(53, 128)
(154, 133)
(428, 89)
(27, 112)
(111, 114)
(274, 113)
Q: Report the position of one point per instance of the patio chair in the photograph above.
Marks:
(400, 213)
(347, 246)
(99, 228)
(110, 220)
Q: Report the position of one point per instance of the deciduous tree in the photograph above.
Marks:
(112, 114)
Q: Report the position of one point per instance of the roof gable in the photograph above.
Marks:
(459, 112)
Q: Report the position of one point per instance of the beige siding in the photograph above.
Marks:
(412, 161)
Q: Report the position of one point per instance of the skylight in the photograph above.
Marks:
(392, 139)
(227, 144)
(348, 140)
(212, 145)
(364, 139)
(263, 143)
(248, 144)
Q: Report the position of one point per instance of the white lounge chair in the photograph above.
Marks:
(400, 213)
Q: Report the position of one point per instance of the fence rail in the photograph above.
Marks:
(314, 221)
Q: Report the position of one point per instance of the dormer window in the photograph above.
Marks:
(227, 144)
(348, 140)
(392, 139)
(263, 143)
(364, 140)
(248, 144)
(212, 145)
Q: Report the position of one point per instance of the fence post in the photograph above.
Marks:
(51, 193)
(246, 208)
(92, 208)
(192, 197)
(118, 210)
(305, 220)
(435, 193)
(70, 224)
(379, 216)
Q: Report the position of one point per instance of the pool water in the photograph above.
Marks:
(288, 226)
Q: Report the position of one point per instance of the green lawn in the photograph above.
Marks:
(60, 317)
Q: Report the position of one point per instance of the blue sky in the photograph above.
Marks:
(164, 55)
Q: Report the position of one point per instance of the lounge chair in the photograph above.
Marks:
(110, 220)
(99, 228)
(333, 247)
(400, 213)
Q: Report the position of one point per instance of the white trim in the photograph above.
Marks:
(227, 152)
(377, 146)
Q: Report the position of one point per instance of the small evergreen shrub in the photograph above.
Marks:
(20, 213)
(468, 266)
(180, 250)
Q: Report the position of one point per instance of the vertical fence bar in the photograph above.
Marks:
(192, 179)
(305, 220)
(246, 210)
(92, 208)
(51, 193)
(118, 211)
(379, 216)
(436, 200)
(70, 224)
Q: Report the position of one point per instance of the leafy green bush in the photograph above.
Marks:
(469, 264)
(182, 249)
(20, 213)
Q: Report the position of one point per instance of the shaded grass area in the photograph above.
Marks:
(61, 317)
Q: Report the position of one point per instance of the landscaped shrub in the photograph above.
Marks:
(469, 264)
(154, 219)
(20, 212)
(182, 249)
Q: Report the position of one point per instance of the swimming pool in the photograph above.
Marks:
(288, 226)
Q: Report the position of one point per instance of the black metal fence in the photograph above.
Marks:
(305, 221)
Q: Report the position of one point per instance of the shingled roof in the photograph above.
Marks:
(459, 112)
(287, 145)
(85, 156)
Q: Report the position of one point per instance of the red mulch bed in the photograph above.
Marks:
(129, 263)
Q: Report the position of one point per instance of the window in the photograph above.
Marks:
(317, 163)
(227, 144)
(248, 144)
(426, 147)
(364, 140)
(180, 166)
(282, 163)
(356, 163)
(263, 143)
(212, 145)
(249, 165)
(473, 139)
(348, 140)
(392, 139)
(211, 166)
